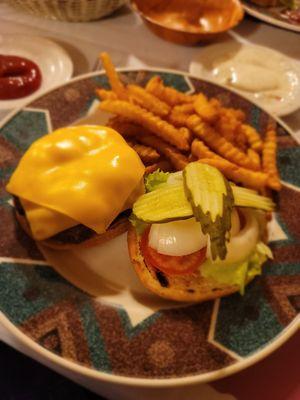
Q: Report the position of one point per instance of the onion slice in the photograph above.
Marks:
(177, 238)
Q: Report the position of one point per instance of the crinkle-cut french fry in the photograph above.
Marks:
(216, 103)
(163, 165)
(215, 141)
(237, 114)
(177, 119)
(205, 109)
(148, 101)
(125, 127)
(106, 94)
(252, 179)
(252, 136)
(269, 158)
(226, 127)
(187, 108)
(240, 140)
(167, 94)
(186, 134)
(146, 153)
(155, 124)
(200, 150)
(229, 124)
(114, 80)
(177, 159)
(254, 157)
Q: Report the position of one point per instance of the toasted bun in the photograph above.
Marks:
(116, 229)
(187, 288)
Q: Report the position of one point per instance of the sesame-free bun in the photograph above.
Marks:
(185, 288)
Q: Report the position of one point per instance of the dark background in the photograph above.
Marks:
(276, 377)
(22, 378)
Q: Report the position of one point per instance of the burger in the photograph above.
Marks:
(195, 236)
(76, 186)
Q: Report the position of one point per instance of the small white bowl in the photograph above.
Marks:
(280, 103)
(55, 64)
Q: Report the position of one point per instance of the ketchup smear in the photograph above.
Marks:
(19, 77)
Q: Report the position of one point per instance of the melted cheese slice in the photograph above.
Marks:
(45, 222)
(82, 174)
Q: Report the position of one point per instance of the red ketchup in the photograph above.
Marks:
(19, 77)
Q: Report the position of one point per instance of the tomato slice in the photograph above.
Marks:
(172, 265)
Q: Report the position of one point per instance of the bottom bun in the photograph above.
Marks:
(185, 288)
(120, 226)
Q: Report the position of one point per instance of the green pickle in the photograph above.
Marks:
(168, 203)
(203, 192)
(244, 197)
(211, 197)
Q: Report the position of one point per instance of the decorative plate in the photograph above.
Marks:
(125, 334)
(271, 15)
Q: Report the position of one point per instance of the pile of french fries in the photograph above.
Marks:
(169, 129)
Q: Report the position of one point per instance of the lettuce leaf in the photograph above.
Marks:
(139, 225)
(240, 273)
(154, 180)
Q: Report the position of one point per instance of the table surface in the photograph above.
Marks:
(124, 35)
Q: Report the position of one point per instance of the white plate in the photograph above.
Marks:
(55, 64)
(202, 66)
(264, 14)
(119, 288)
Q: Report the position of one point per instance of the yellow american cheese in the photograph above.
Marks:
(82, 174)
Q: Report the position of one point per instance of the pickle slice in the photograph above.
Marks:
(203, 192)
(211, 198)
(250, 198)
(165, 204)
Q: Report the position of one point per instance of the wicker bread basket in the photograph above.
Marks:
(69, 10)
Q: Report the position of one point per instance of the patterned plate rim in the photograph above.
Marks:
(273, 345)
(270, 20)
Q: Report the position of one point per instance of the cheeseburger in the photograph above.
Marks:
(74, 187)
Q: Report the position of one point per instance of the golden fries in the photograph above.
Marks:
(269, 158)
(177, 159)
(252, 136)
(205, 109)
(254, 156)
(148, 101)
(200, 150)
(187, 108)
(115, 83)
(178, 118)
(230, 170)
(238, 115)
(167, 94)
(226, 129)
(218, 143)
(106, 94)
(124, 127)
(148, 120)
(169, 129)
(146, 153)
(252, 179)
